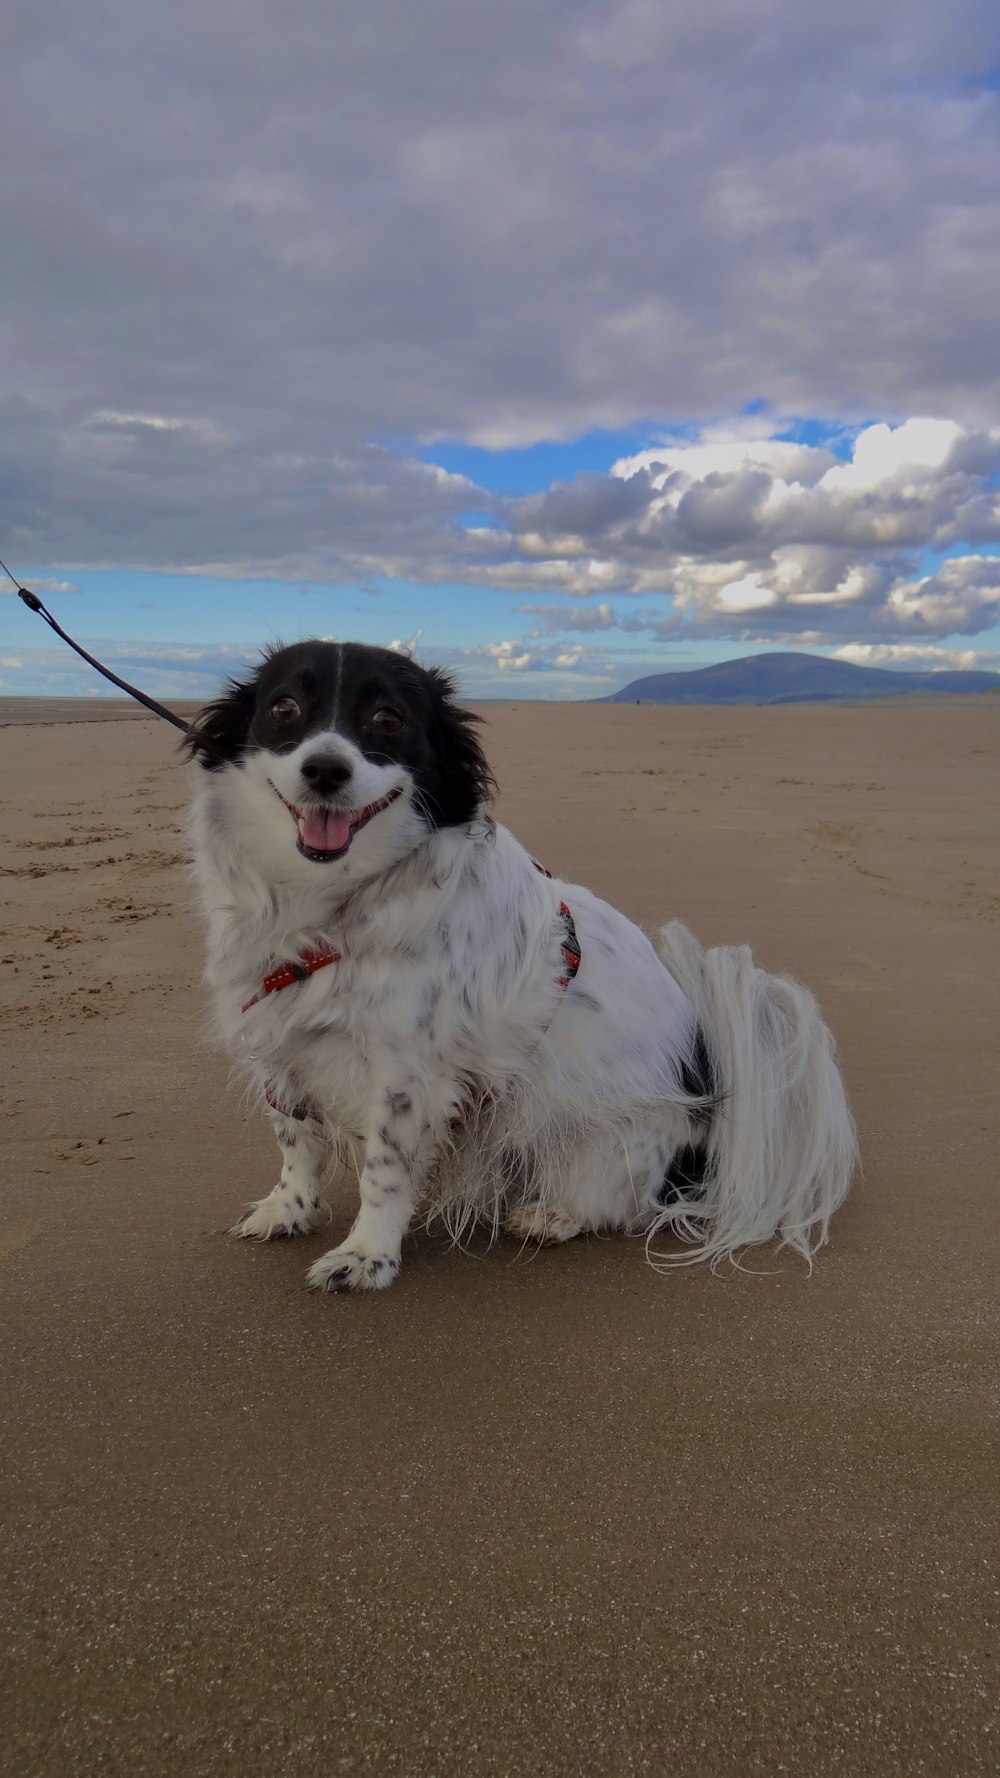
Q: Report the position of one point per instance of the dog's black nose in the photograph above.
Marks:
(325, 774)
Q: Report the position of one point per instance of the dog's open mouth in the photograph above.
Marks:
(326, 833)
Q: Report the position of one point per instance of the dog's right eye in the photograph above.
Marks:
(284, 711)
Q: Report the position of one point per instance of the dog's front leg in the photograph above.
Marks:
(295, 1206)
(398, 1148)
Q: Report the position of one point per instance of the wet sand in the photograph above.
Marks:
(515, 1515)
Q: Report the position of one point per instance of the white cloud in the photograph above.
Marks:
(44, 583)
(526, 657)
(728, 450)
(746, 594)
(510, 657)
(895, 455)
(925, 657)
(747, 533)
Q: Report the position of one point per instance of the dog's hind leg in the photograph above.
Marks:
(545, 1223)
(294, 1207)
(607, 1181)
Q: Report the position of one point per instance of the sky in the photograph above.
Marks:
(562, 341)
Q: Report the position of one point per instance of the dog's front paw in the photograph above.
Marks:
(281, 1213)
(353, 1268)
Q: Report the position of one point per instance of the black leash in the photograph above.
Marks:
(34, 603)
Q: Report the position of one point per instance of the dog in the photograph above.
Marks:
(403, 984)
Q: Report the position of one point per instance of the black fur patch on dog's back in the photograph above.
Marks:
(684, 1180)
(698, 1079)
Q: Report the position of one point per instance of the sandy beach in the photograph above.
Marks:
(517, 1515)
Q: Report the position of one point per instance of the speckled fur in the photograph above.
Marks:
(440, 1053)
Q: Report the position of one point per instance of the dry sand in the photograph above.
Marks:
(515, 1516)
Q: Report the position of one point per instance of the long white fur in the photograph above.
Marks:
(782, 1144)
(443, 1055)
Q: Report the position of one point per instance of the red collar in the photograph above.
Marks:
(297, 969)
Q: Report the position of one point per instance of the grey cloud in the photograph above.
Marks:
(595, 505)
(720, 511)
(311, 225)
(122, 490)
(554, 618)
(240, 247)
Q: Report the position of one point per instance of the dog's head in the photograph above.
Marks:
(332, 741)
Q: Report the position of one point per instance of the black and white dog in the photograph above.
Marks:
(402, 982)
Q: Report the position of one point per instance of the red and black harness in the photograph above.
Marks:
(298, 969)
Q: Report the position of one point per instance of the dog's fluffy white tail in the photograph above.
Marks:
(782, 1148)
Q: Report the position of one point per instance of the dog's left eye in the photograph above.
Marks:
(388, 722)
(285, 711)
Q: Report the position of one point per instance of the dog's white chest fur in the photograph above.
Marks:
(449, 970)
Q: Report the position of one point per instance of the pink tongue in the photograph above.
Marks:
(323, 831)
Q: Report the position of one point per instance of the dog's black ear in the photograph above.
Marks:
(464, 783)
(220, 732)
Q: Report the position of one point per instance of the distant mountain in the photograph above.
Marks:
(792, 679)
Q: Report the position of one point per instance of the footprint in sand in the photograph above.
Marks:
(143, 864)
(122, 907)
(81, 836)
(89, 1151)
(79, 1003)
(59, 937)
(51, 866)
(831, 833)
